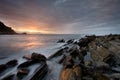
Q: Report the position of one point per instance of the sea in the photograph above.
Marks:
(16, 46)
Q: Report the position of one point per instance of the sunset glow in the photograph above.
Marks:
(62, 16)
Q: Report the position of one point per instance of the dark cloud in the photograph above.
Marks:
(68, 16)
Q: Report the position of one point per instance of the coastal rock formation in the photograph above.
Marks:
(37, 61)
(6, 30)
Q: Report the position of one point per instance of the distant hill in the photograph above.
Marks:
(5, 29)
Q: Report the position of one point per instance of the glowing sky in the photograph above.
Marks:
(62, 16)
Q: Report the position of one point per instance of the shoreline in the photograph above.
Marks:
(74, 63)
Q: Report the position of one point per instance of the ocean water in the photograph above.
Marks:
(16, 46)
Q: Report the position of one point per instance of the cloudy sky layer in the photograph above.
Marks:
(62, 16)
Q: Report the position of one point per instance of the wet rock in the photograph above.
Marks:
(9, 77)
(56, 54)
(100, 76)
(70, 41)
(12, 63)
(61, 41)
(40, 72)
(27, 63)
(62, 59)
(22, 72)
(38, 57)
(3, 67)
(68, 74)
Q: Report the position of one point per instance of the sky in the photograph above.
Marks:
(62, 16)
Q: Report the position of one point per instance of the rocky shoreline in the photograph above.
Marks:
(90, 58)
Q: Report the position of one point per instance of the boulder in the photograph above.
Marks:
(38, 57)
(68, 74)
(12, 63)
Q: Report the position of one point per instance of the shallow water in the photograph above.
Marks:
(15, 46)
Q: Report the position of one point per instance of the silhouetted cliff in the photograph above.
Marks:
(6, 30)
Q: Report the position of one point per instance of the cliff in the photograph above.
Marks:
(5, 29)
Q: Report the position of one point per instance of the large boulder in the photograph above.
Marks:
(38, 57)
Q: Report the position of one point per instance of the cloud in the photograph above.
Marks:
(58, 15)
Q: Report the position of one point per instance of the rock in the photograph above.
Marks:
(56, 54)
(100, 54)
(78, 72)
(22, 72)
(68, 74)
(40, 72)
(83, 42)
(27, 63)
(3, 67)
(5, 29)
(88, 63)
(12, 63)
(101, 65)
(9, 77)
(74, 53)
(115, 76)
(70, 41)
(110, 60)
(87, 78)
(62, 59)
(61, 41)
(68, 63)
(38, 57)
(100, 76)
